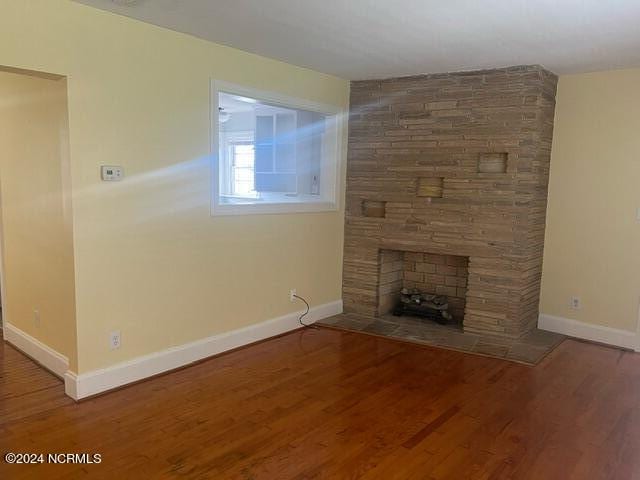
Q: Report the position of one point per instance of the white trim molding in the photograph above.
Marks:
(587, 331)
(99, 381)
(46, 356)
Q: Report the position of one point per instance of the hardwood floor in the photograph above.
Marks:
(329, 404)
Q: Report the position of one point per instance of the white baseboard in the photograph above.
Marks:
(46, 356)
(98, 381)
(587, 331)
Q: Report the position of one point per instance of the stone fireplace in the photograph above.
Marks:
(446, 192)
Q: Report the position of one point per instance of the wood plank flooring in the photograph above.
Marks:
(321, 403)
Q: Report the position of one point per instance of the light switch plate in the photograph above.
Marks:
(111, 173)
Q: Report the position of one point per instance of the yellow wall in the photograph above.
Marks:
(592, 247)
(149, 259)
(36, 218)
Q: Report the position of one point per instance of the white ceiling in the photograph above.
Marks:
(359, 39)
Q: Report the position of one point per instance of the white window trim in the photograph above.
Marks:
(334, 165)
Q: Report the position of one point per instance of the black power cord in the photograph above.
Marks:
(307, 325)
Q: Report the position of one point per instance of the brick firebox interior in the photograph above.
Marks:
(438, 274)
(453, 168)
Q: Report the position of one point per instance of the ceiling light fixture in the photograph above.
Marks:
(223, 115)
(245, 99)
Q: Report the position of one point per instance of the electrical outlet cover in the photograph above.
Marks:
(115, 340)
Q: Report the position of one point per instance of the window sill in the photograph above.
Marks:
(259, 208)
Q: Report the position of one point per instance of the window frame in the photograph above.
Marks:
(331, 167)
(234, 167)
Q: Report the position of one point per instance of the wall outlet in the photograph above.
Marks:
(292, 295)
(36, 317)
(575, 303)
(114, 340)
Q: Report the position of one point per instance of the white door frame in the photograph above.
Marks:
(2, 285)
